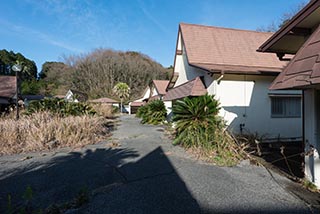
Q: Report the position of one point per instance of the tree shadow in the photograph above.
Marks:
(149, 184)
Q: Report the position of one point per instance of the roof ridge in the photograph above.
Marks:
(185, 83)
(195, 82)
(225, 28)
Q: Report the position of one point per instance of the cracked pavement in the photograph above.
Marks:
(139, 171)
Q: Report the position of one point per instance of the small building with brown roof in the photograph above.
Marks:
(76, 96)
(156, 90)
(7, 91)
(105, 100)
(301, 36)
(239, 77)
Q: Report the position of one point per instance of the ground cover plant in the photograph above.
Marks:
(199, 128)
(152, 113)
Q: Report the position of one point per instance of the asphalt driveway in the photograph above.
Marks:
(139, 171)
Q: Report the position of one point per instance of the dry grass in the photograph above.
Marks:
(103, 110)
(45, 131)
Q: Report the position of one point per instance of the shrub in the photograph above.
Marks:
(199, 127)
(153, 113)
(61, 107)
(142, 111)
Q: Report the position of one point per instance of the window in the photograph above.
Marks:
(285, 106)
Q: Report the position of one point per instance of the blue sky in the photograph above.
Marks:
(48, 30)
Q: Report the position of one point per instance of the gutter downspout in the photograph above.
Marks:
(220, 78)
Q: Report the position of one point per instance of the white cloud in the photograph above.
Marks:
(35, 35)
(151, 17)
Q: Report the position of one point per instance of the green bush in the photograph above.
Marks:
(153, 113)
(196, 119)
(142, 111)
(198, 126)
(61, 107)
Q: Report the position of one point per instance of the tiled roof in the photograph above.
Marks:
(155, 97)
(104, 100)
(304, 69)
(193, 87)
(221, 49)
(7, 86)
(161, 86)
(137, 104)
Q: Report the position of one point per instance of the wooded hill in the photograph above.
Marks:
(95, 73)
(98, 72)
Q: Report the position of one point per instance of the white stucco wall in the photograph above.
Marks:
(145, 95)
(245, 100)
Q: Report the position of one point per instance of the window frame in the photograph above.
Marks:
(285, 105)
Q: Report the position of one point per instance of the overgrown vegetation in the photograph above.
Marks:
(152, 113)
(45, 130)
(199, 128)
(60, 107)
(98, 72)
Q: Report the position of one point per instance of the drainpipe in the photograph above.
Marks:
(220, 78)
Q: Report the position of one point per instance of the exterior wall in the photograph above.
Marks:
(69, 97)
(145, 96)
(182, 67)
(154, 92)
(168, 105)
(311, 131)
(245, 100)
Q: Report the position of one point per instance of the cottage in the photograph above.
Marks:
(225, 62)
(155, 91)
(76, 96)
(7, 91)
(301, 36)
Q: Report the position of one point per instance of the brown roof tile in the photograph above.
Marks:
(161, 86)
(104, 100)
(304, 68)
(7, 86)
(193, 87)
(221, 49)
(137, 104)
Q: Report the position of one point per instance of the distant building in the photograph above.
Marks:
(76, 96)
(7, 91)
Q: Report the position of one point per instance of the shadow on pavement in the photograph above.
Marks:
(149, 185)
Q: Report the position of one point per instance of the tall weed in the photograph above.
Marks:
(45, 131)
(199, 128)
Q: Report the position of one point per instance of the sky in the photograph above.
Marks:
(50, 30)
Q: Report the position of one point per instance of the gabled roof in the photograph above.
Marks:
(104, 100)
(161, 86)
(193, 87)
(226, 50)
(295, 32)
(7, 86)
(304, 68)
(81, 96)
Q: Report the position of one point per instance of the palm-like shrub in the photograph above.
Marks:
(142, 111)
(196, 119)
(199, 127)
(153, 113)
